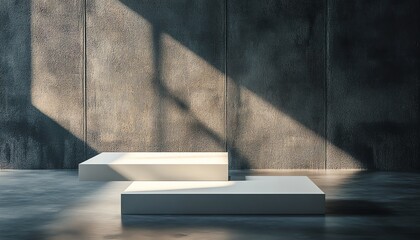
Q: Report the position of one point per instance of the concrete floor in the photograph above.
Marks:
(53, 204)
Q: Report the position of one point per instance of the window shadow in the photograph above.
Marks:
(288, 53)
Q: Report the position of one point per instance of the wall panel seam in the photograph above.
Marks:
(226, 73)
(84, 81)
(326, 79)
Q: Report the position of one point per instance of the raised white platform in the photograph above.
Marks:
(253, 195)
(155, 166)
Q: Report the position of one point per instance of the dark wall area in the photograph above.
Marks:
(373, 84)
(307, 84)
(275, 65)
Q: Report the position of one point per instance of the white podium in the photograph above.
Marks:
(197, 183)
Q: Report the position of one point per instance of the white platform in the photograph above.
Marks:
(155, 166)
(254, 195)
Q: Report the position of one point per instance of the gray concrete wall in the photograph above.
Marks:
(153, 80)
(41, 94)
(278, 84)
(275, 65)
(373, 84)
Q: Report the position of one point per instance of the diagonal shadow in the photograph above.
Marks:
(165, 94)
(289, 44)
(174, 18)
(277, 50)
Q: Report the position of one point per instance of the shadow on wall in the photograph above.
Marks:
(165, 94)
(284, 109)
(189, 29)
(373, 87)
(159, 30)
(29, 139)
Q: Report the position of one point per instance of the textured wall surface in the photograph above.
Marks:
(154, 82)
(275, 65)
(373, 85)
(278, 84)
(41, 84)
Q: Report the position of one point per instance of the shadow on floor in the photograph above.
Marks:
(356, 207)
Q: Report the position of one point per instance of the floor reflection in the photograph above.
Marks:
(49, 204)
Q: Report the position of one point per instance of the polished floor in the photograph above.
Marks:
(53, 204)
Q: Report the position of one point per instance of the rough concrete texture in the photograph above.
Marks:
(373, 85)
(275, 65)
(41, 70)
(154, 81)
(306, 87)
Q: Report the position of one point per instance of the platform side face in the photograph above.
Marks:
(152, 172)
(250, 185)
(223, 204)
(159, 158)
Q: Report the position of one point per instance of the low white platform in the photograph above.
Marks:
(155, 166)
(254, 195)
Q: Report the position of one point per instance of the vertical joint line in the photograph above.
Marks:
(84, 82)
(226, 74)
(326, 79)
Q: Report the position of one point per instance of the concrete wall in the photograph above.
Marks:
(278, 84)
(41, 94)
(153, 80)
(373, 84)
(275, 65)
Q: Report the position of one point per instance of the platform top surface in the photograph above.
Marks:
(159, 158)
(250, 185)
